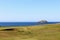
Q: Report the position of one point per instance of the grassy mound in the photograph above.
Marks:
(38, 32)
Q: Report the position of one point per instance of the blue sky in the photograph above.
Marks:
(29, 10)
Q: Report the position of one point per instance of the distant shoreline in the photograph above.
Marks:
(24, 23)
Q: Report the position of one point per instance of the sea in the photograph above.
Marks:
(24, 23)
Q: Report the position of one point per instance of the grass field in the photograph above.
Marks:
(38, 32)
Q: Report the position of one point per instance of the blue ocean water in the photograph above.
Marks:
(23, 23)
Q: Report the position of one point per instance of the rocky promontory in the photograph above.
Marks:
(43, 21)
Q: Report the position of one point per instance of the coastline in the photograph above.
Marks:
(37, 32)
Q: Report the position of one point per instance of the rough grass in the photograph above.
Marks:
(38, 32)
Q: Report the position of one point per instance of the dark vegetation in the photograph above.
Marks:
(9, 29)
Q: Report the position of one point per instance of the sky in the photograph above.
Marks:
(29, 10)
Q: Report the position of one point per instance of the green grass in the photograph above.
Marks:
(38, 32)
